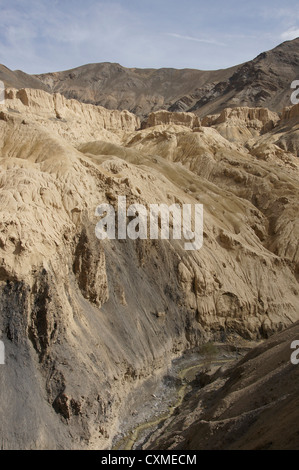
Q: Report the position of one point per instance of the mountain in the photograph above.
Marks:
(19, 79)
(85, 321)
(264, 81)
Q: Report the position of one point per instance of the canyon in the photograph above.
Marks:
(86, 321)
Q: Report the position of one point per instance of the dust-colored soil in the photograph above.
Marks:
(252, 405)
(84, 321)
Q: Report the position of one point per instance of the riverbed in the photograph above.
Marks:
(158, 397)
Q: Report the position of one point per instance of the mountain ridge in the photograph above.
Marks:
(264, 81)
(85, 321)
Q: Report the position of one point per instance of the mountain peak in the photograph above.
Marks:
(263, 81)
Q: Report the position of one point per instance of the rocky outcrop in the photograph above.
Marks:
(286, 135)
(241, 124)
(70, 118)
(290, 112)
(258, 118)
(166, 118)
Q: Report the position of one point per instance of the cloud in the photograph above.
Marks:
(192, 38)
(46, 35)
(290, 34)
(37, 38)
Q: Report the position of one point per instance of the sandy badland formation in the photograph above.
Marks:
(85, 320)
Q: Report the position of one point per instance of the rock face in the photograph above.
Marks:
(253, 84)
(70, 118)
(250, 406)
(78, 315)
(242, 123)
(260, 119)
(262, 82)
(165, 117)
(290, 112)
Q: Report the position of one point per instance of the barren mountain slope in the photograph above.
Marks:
(264, 81)
(250, 406)
(83, 320)
(19, 79)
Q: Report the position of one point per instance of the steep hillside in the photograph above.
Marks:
(264, 81)
(19, 79)
(83, 320)
(250, 406)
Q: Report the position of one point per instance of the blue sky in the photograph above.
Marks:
(42, 35)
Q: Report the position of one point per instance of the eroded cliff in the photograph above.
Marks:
(81, 318)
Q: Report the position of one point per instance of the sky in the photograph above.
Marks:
(39, 36)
